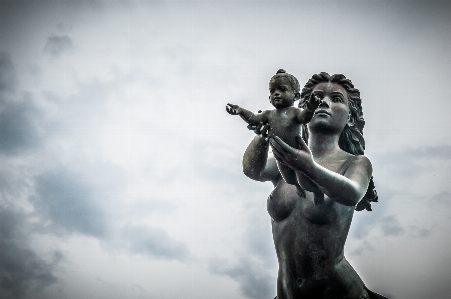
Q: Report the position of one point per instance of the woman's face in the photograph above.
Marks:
(333, 111)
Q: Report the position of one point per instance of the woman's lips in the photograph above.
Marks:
(322, 112)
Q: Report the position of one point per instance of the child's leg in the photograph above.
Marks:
(287, 173)
(307, 184)
(301, 182)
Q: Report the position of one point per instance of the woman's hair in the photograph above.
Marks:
(292, 79)
(351, 139)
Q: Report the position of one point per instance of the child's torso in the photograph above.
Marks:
(283, 124)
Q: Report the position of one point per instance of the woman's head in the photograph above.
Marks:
(351, 138)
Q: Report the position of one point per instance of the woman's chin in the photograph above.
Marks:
(324, 126)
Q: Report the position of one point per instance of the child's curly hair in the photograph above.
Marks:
(292, 79)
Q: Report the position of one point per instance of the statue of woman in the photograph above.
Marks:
(309, 236)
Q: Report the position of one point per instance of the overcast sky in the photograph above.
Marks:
(121, 171)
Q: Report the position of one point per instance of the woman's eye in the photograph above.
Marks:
(337, 99)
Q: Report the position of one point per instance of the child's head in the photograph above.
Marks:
(283, 89)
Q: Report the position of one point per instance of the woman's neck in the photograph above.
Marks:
(323, 145)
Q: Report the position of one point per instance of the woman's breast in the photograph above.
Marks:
(285, 199)
(321, 214)
(282, 201)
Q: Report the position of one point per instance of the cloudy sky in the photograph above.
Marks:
(121, 170)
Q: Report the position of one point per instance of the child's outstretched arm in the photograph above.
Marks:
(306, 115)
(246, 115)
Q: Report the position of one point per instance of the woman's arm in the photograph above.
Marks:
(347, 189)
(256, 164)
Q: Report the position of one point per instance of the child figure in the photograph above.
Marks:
(285, 121)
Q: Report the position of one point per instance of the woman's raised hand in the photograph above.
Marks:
(299, 159)
(261, 129)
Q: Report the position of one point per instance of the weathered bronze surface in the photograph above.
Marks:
(285, 121)
(309, 233)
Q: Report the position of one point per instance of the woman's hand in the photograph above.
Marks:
(298, 159)
(256, 164)
(260, 129)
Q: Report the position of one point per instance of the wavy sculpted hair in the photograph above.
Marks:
(351, 139)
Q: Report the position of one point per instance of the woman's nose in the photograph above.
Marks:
(324, 102)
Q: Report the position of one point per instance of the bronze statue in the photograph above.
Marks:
(309, 238)
(285, 121)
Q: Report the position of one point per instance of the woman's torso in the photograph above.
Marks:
(309, 243)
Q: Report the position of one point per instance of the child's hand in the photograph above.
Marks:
(233, 109)
(313, 102)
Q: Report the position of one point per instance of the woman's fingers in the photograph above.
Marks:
(278, 152)
(284, 147)
(279, 156)
(301, 142)
(276, 146)
(265, 130)
(258, 128)
(280, 160)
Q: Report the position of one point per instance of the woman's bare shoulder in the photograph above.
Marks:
(362, 159)
(358, 164)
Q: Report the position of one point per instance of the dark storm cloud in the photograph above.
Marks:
(442, 151)
(363, 248)
(57, 45)
(419, 232)
(19, 117)
(19, 125)
(438, 151)
(257, 236)
(391, 226)
(21, 269)
(8, 79)
(214, 165)
(443, 198)
(66, 200)
(153, 242)
(411, 162)
(253, 279)
(406, 164)
(370, 220)
(260, 240)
